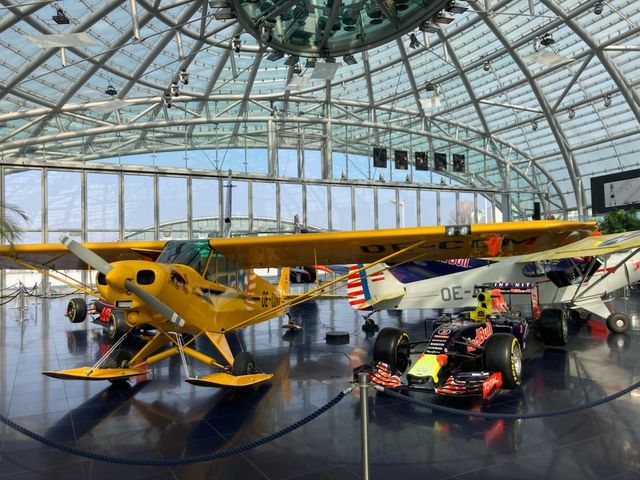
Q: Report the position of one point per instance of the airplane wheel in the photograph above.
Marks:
(553, 327)
(243, 364)
(77, 310)
(392, 347)
(579, 317)
(503, 354)
(618, 323)
(117, 325)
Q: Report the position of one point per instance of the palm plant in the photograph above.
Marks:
(9, 229)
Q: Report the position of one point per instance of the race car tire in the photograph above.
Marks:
(243, 364)
(117, 325)
(503, 354)
(77, 310)
(392, 347)
(618, 323)
(553, 327)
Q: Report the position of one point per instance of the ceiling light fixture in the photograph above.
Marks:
(486, 66)
(166, 98)
(275, 56)
(572, 113)
(607, 100)
(111, 91)
(297, 70)
(547, 40)
(236, 43)
(349, 59)
(183, 76)
(413, 41)
(175, 91)
(597, 8)
(292, 60)
(534, 125)
(60, 18)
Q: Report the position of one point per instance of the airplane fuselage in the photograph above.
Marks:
(456, 290)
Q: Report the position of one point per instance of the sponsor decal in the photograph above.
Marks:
(491, 384)
(482, 333)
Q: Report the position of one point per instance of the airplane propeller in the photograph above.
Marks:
(98, 263)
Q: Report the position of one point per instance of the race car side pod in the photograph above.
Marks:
(506, 416)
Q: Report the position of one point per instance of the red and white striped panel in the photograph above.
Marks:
(355, 293)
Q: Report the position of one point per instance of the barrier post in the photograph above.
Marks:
(363, 383)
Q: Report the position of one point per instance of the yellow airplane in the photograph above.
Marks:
(206, 288)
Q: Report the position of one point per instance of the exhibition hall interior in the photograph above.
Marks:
(319, 239)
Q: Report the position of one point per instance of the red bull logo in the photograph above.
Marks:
(482, 333)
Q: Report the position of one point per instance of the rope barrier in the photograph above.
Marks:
(170, 462)
(508, 416)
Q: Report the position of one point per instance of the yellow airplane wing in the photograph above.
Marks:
(56, 256)
(589, 247)
(432, 243)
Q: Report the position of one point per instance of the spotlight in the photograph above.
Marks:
(547, 40)
(275, 55)
(183, 76)
(597, 8)
(166, 98)
(534, 125)
(572, 113)
(311, 63)
(381, 177)
(486, 66)
(236, 43)
(431, 87)
(413, 41)
(607, 100)
(60, 18)
(297, 70)
(175, 91)
(349, 59)
(292, 60)
(329, 60)
(456, 7)
(112, 92)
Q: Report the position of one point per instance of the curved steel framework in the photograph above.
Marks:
(534, 121)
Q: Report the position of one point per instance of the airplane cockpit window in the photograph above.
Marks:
(222, 270)
(533, 269)
(193, 254)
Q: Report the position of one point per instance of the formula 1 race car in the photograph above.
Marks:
(101, 314)
(473, 353)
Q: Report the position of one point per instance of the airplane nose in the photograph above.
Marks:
(116, 277)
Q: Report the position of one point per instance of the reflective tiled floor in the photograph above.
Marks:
(163, 417)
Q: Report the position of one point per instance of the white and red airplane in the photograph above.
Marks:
(575, 279)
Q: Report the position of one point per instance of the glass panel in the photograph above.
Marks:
(290, 205)
(103, 203)
(317, 210)
(341, 208)
(408, 208)
(364, 209)
(428, 209)
(386, 208)
(205, 207)
(172, 201)
(485, 209)
(16, 183)
(264, 207)
(288, 163)
(139, 204)
(64, 200)
(240, 199)
(103, 236)
(448, 208)
(466, 208)
(312, 164)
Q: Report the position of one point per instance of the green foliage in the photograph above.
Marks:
(9, 230)
(617, 221)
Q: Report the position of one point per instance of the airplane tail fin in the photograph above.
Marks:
(283, 283)
(370, 288)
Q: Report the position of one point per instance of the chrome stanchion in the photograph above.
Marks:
(363, 383)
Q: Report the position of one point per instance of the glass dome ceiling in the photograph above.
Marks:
(537, 95)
